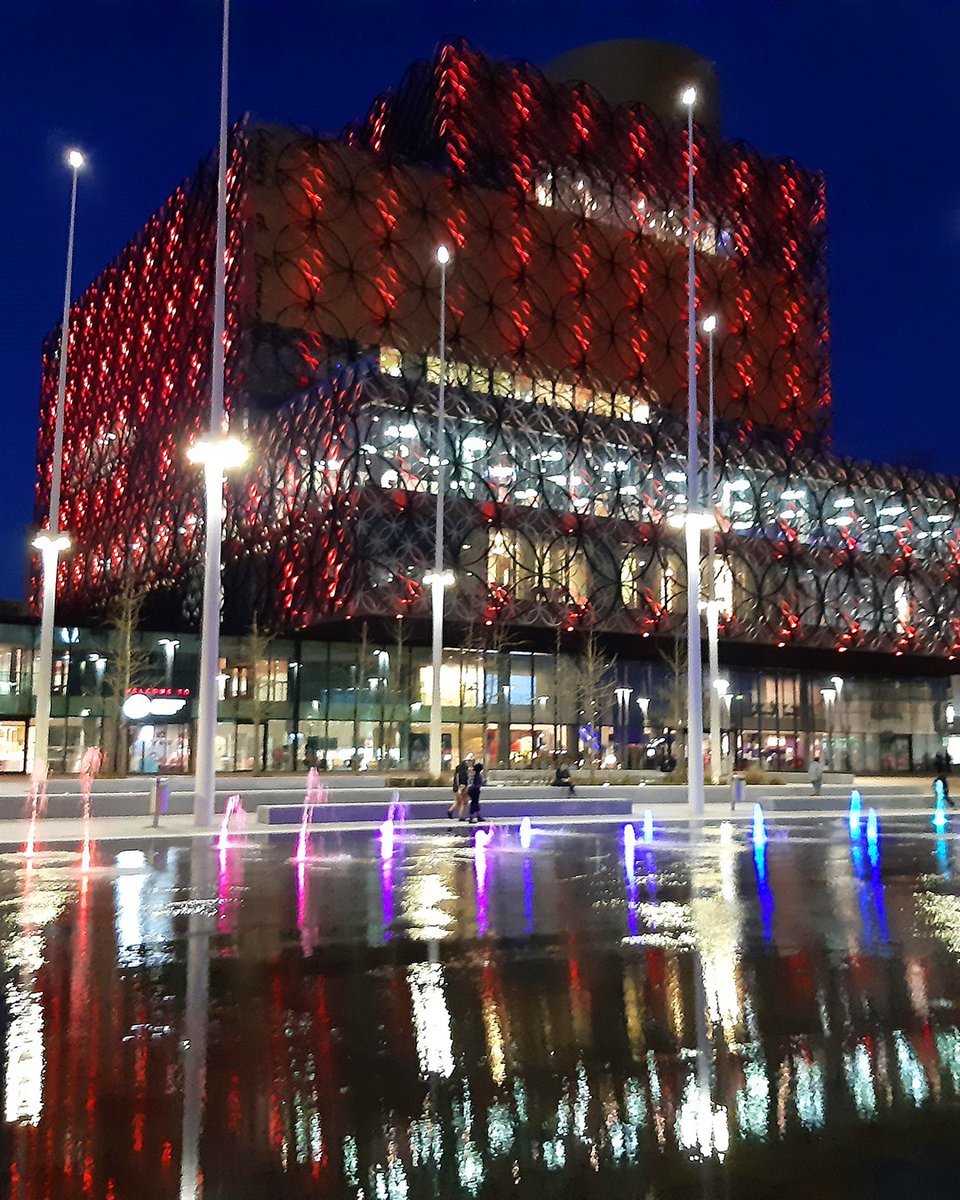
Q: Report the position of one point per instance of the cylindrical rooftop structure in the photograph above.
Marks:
(636, 70)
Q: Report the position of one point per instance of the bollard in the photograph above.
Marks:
(736, 790)
(159, 799)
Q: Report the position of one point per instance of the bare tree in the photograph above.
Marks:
(254, 651)
(594, 685)
(671, 695)
(128, 666)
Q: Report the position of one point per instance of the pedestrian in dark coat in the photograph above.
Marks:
(473, 791)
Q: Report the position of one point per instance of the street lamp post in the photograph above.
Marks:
(837, 681)
(713, 606)
(51, 541)
(623, 695)
(829, 696)
(216, 452)
(438, 579)
(694, 514)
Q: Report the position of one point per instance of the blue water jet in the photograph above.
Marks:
(940, 808)
(629, 846)
(759, 828)
(856, 811)
(873, 827)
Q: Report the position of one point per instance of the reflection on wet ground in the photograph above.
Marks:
(696, 1016)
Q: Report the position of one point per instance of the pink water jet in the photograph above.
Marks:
(313, 796)
(36, 803)
(304, 837)
(90, 765)
(234, 809)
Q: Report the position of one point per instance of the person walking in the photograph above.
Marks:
(473, 791)
(461, 781)
(816, 774)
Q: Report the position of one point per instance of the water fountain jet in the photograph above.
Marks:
(759, 827)
(855, 814)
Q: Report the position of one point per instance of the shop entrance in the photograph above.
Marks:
(159, 749)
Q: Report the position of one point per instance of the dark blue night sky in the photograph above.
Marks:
(864, 91)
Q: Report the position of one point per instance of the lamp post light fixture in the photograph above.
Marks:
(169, 650)
(709, 327)
(216, 452)
(52, 541)
(694, 510)
(439, 579)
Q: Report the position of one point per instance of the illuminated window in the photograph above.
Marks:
(272, 679)
(903, 603)
(632, 580)
(61, 672)
(459, 683)
(501, 559)
(390, 361)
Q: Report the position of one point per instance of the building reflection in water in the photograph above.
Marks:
(164, 1026)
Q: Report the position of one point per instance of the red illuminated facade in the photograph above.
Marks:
(567, 360)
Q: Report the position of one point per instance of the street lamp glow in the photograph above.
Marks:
(686, 520)
(444, 579)
(837, 682)
(721, 686)
(218, 451)
(443, 255)
(709, 324)
(51, 543)
(76, 159)
(689, 96)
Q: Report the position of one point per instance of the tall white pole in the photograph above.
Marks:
(694, 667)
(205, 779)
(437, 579)
(52, 541)
(713, 609)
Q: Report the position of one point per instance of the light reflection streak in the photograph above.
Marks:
(194, 1042)
(764, 892)
(527, 895)
(480, 870)
(859, 1075)
(386, 895)
(431, 1019)
(24, 1042)
(128, 892)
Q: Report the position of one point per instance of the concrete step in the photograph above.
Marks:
(493, 807)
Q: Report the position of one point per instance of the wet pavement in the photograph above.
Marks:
(695, 1016)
